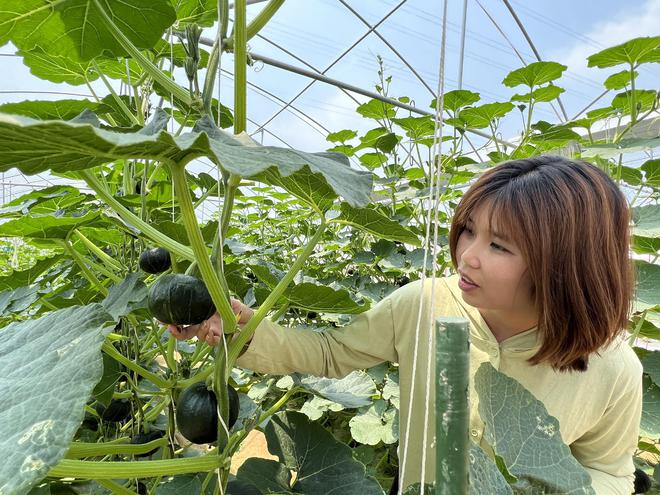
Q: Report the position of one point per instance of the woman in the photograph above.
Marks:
(545, 280)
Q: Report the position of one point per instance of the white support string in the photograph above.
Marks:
(432, 211)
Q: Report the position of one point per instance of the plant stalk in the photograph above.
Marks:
(209, 275)
(117, 356)
(158, 237)
(240, 67)
(70, 468)
(146, 64)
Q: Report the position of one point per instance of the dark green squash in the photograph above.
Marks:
(180, 300)
(155, 260)
(117, 411)
(197, 416)
(141, 438)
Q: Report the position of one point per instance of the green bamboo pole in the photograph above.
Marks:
(452, 361)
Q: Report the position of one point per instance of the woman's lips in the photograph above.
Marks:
(464, 283)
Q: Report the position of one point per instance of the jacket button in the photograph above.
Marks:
(474, 432)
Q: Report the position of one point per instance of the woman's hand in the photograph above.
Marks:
(211, 330)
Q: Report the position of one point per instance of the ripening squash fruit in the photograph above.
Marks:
(180, 300)
(197, 416)
(155, 260)
(117, 411)
(141, 438)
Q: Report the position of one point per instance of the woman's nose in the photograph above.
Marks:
(470, 256)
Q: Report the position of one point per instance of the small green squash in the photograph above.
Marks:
(155, 260)
(197, 416)
(180, 300)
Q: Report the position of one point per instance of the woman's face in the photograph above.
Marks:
(494, 276)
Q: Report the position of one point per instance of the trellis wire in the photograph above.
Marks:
(434, 193)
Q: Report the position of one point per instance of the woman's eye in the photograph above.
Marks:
(467, 230)
(497, 247)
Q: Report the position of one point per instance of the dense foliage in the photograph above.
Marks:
(304, 237)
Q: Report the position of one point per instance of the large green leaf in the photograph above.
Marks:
(521, 431)
(308, 187)
(76, 30)
(619, 80)
(375, 223)
(19, 278)
(633, 52)
(376, 109)
(48, 368)
(647, 294)
(484, 475)
(458, 98)
(129, 294)
(321, 464)
(651, 363)
(651, 170)
(17, 300)
(645, 99)
(323, 299)
(646, 221)
(53, 110)
(202, 12)
(377, 423)
(57, 69)
(34, 146)
(543, 94)
(650, 425)
(47, 226)
(534, 74)
(482, 116)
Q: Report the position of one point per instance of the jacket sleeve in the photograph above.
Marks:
(367, 341)
(606, 451)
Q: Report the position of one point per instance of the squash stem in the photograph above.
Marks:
(158, 237)
(98, 251)
(70, 468)
(209, 275)
(149, 67)
(240, 67)
(116, 355)
(89, 275)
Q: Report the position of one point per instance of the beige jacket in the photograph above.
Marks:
(598, 411)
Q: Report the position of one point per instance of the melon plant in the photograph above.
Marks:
(305, 237)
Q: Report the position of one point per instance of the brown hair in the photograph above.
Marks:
(571, 223)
